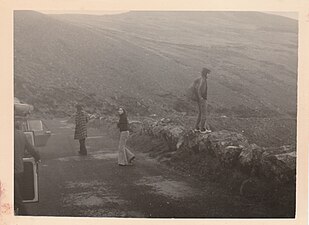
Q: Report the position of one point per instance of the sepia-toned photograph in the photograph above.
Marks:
(155, 114)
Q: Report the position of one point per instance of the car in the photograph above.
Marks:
(22, 109)
(37, 134)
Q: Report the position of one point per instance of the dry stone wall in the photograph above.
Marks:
(274, 165)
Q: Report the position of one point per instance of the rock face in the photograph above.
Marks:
(279, 164)
(226, 146)
(276, 166)
(250, 157)
(136, 126)
(166, 130)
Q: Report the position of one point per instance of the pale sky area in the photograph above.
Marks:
(292, 15)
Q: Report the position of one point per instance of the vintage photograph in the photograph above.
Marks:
(155, 114)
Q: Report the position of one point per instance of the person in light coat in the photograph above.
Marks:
(198, 93)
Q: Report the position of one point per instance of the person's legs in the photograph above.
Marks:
(82, 143)
(122, 159)
(204, 123)
(19, 207)
(203, 114)
(125, 156)
(197, 124)
(129, 155)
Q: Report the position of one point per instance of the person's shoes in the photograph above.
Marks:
(196, 130)
(129, 164)
(205, 131)
(133, 158)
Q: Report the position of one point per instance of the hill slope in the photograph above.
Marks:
(151, 57)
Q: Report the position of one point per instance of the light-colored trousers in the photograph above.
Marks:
(124, 154)
(201, 122)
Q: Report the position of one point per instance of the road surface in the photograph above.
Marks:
(95, 186)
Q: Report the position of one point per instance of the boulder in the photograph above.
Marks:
(136, 126)
(164, 129)
(250, 157)
(193, 139)
(174, 133)
(226, 146)
(279, 165)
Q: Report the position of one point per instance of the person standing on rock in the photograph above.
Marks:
(81, 120)
(198, 93)
(125, 156)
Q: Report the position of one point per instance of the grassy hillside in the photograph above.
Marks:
(154, 56)
(253, 55)
(146, 60)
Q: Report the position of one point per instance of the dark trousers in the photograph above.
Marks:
(82, 146)
(201, 118)
(19, 206)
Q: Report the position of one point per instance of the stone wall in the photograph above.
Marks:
(259, 170)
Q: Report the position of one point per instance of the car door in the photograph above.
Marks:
(40, 132)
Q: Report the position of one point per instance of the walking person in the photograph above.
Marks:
(198, 93)
(125, 156)
(81, 120)
(21, 144)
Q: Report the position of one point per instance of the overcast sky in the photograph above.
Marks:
(293, 15)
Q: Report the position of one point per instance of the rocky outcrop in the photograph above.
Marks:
(232, 150)
(279, 164)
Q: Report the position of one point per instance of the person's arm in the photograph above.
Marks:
(119, 124)
(30, 149)
(202, 89)
(76, 120)
(199, 89)
(87, 117)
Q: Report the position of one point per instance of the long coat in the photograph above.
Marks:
(81, 120)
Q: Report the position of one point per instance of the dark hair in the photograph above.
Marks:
(124, 111)
(123, 118)
(205, 71)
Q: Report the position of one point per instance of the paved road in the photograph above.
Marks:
(73, 185)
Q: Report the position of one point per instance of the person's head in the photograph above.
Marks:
(122, 111)
(79, 107)
(205, 72)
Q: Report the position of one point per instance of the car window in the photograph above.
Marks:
(35, 125)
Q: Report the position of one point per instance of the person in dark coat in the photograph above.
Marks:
(125, 156)
(198, 93)
(21, 144)
(81, 120)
